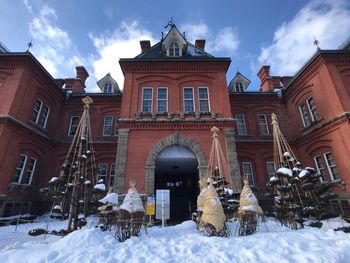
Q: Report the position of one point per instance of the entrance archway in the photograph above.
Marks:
(176, 169)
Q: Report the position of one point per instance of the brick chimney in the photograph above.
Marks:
(145, 45)
(81, 73)
(265, 78)
(200, 43)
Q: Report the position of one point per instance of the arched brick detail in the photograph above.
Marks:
(174, 139)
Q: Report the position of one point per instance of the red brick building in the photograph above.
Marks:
(157, 130)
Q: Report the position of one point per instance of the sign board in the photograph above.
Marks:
(151, 205)
(162, 204)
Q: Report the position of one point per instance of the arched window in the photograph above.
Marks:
(239, 87)
(174, 49)
(107, 88)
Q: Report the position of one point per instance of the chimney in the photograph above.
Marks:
(81, 73)
(145, 45)
(200, 43)
(265, 78)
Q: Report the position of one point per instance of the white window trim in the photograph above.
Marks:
(116, 126)
(183, 94)
(328, 167)
(251, 169)
(274, 167)
(199, 104)
(167, 98)
(147, 100)
(110, 174)
(104, 125)
(23, 168)
(70, 125)
(98, 174)
(47, 116)
(266, 124)
(302, 116)
(317, 167)
(32, 172)
(309, 108)
(245, 128)
(39, 112)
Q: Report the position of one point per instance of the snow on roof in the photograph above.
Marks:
(110, 198)
(285, 171)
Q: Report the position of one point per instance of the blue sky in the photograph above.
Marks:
(96, 34)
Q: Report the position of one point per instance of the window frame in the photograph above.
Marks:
(104, 128)
(173, 47)
(32, 171)
(207, 99)
(184, 99)
(116, 126)
(166, 99)
(313, 111)
(304, 114)
(112, 175)
(70, 125)
(239, 87)
(270, 173)
(22, 169)
(109, 88)
(99, 176)
(143, 100)
(244, 125)
(319, 169)
(251, 174)
(39, 114)
(265, 123)
(331, 175)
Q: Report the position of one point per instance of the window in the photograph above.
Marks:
(309, 111)
(15, 208)
(188, 100)
(248, 172)
(147, 99)
(174, 49)
(20, 168)
(40, 113)
(107, 126)
(320, 167)
(323, 161)
(28, 175)
(112, 175)
(162, 100)
(74, 121)
(239, 87)
(271, 169)
(312, 108)
(240, 122)
(264, 129)
(102, 172)
(203, 97)
(107, 88)
(332, 168)
(25, 169)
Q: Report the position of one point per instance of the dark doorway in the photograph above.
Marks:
(177, 170)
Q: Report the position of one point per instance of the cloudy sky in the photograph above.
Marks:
(96, 34)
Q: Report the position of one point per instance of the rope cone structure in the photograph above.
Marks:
(72, 190)
(217, 201)
(298, 192)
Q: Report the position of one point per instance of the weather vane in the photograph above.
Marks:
(316, 43)
(29, 45)
(170, 23)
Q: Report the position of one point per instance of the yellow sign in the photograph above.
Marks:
(150, 209)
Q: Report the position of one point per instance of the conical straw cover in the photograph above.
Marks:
(248, 201)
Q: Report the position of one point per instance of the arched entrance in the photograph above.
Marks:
(176, 169)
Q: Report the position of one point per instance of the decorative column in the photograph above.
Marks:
(121, 159)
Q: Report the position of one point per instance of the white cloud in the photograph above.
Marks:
(327, 21)
(52, 45)
(224, 41)
(124, 42)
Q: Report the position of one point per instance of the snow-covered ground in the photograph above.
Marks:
(180, 243)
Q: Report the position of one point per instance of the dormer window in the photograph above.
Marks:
(239, 87)
(107, 88)
(174, 49)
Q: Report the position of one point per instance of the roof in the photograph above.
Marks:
(190, 52)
